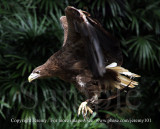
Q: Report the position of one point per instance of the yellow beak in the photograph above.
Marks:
(33, 76)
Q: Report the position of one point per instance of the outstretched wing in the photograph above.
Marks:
(98, 43)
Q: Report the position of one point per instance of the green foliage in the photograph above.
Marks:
(30, 32)
(2, 106)
(144, 48)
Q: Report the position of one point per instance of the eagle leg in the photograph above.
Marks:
(84, 109)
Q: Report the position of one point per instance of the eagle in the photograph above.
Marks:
(90, 58)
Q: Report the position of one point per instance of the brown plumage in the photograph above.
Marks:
(90, 58)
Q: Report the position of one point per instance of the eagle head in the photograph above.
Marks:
(39, 72)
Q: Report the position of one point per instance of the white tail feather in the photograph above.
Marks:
(125, 81)
(114, 64)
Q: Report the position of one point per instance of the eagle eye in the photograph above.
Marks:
(38, 72)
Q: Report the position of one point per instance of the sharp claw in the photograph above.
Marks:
(79, 111)
(84, 109)
(90, 110)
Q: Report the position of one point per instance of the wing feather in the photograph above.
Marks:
(96, 40)
(64, 24)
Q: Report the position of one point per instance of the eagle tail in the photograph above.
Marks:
(125, 76)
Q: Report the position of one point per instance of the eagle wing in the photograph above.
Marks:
(100, 46)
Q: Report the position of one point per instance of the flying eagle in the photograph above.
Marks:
(90, 58)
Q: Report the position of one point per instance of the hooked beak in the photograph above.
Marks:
(33, 76)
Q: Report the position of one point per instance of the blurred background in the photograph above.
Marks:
(30, 32)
